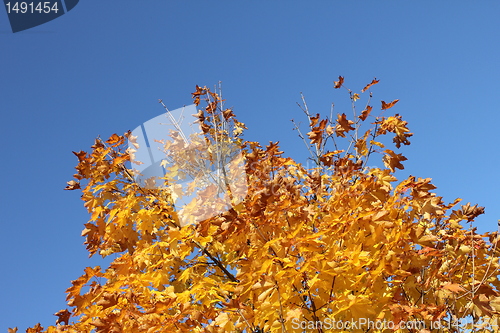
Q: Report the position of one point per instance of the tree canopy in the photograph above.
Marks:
(335, 246)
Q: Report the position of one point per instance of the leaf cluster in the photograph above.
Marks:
(339, 240)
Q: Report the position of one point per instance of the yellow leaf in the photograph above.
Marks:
(294, 313)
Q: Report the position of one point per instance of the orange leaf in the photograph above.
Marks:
(314, 120)
(393, 160)
(365, 113)
(374, 81)
(339, 83)
(81, 155)
(316, 135)
(115, 140)
(455, 287)
(386, 106)
(343, 125)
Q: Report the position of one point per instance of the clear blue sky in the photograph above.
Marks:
(102, 67)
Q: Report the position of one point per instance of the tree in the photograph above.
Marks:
(339, 246)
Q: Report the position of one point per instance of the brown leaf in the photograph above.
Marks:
(63, 316)
(12, 330)
(316, 135)
(72, 185)
(81, 155)
(199, 92)
(386, 106)
(343, 125)
(374, 81)
(313, 120)
(365, 113)
(397, 126)
(228, 113)
(339, 83)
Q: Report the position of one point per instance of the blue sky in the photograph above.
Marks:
(101, 68)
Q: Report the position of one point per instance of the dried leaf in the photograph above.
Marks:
(365, 113)
(454, 287)
(115, 140)
(63, 316)
(339, 83)
(72, 185)
(374, 81)
(343, 125)
(386, 106)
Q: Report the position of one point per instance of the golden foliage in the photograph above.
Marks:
(338, 241)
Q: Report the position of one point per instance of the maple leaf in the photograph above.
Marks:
(482, 306)
(365, 113)
(395, 125)
(313, 120)
(115, 140)
(63, 316)
(108, 300)
(316, 137)
(228, 114)
(374, 81)
(361, 147)
(421, 188)
(393, 160)
(343, 125)
(198, 93)
(471, 212)
(316, 134)
(339, 83)
(81, 155)
(72, 185)
(386, 106)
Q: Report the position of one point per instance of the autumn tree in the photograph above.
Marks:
(308, 248)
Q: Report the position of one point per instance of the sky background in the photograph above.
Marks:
(101, 68)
